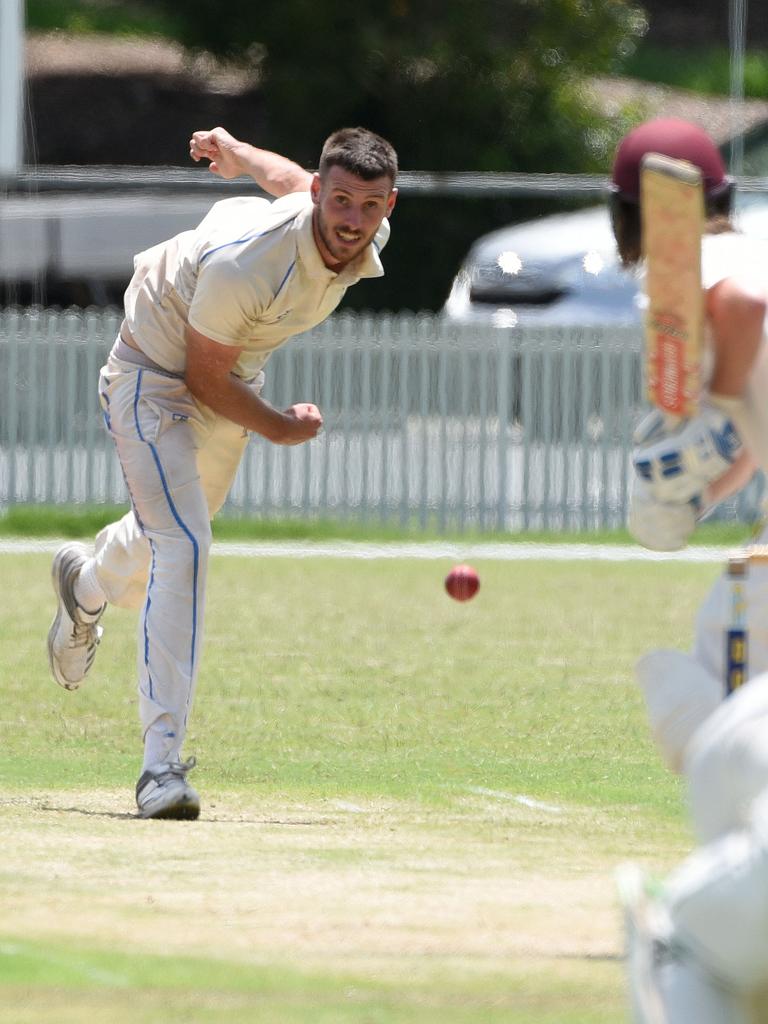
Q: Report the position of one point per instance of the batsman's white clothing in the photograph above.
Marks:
(718, 897)
(716, 901)
(249, 275)
(679, 695)
(726, 762)
(732, 255)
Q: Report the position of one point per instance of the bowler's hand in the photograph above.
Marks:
(305, 421)
(221, 148)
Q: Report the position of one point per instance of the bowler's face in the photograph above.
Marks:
(348, 213)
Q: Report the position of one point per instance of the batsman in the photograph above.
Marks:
(698, 943)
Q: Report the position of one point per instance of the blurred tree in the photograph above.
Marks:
(454, 84)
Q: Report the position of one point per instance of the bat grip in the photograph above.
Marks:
(736, 634)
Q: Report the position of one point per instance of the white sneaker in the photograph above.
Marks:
(163, 791)
(74, 634)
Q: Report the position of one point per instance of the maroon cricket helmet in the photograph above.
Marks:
(671, 137)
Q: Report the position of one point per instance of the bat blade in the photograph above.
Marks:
(672, 205)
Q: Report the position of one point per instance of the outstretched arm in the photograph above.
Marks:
(230, 158)
(208, 376)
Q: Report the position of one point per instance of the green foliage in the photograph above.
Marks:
(457, 85)
(700, 70)
(87, 16)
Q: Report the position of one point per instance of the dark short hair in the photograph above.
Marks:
(360, 152)
(627, 223)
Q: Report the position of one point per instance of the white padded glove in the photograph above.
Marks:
(659, 525)
(678, 464)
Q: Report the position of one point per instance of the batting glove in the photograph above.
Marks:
(678, 464)
(658, 525)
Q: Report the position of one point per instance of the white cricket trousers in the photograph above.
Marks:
(718, 897)
(179, 460)
(718, 905)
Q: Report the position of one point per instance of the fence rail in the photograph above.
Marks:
(426, 423)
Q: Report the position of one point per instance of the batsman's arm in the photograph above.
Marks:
(736, 313)
(208, 376)
(733, 479)
(230, 158)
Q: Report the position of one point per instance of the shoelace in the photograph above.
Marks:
(178, 769)
(85, 634)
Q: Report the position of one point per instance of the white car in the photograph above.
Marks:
(560, 270)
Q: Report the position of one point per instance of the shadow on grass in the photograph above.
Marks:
(202, 820)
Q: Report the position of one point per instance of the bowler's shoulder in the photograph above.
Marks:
(244, 212)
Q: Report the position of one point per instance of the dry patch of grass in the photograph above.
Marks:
(332, 884)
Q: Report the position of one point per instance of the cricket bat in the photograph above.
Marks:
(672, 212)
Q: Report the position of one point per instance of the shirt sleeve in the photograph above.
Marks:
(716, 260)
(733, 255)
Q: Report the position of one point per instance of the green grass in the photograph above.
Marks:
(86, 521)
(36, 976)
(369, 680)
(363, 854)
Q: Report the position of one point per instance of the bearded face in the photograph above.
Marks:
(348, 213)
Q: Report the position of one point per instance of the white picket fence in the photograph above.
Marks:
(427, 424)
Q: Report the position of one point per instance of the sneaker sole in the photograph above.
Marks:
(52, 664)
(61, 680)
(184, 810)
(67, 684)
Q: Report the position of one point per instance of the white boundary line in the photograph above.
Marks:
(511, 552)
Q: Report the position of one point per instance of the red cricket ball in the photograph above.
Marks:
(462, 582)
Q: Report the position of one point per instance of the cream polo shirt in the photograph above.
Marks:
(733, 255)
(248, 275)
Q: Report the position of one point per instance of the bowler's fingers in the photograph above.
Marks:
(311, 414)
(203, 145)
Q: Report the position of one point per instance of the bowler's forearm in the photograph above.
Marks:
(276, 174)
(235, 400)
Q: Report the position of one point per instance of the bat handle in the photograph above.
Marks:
(736, 634)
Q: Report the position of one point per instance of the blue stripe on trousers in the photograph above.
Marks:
(181, 524)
